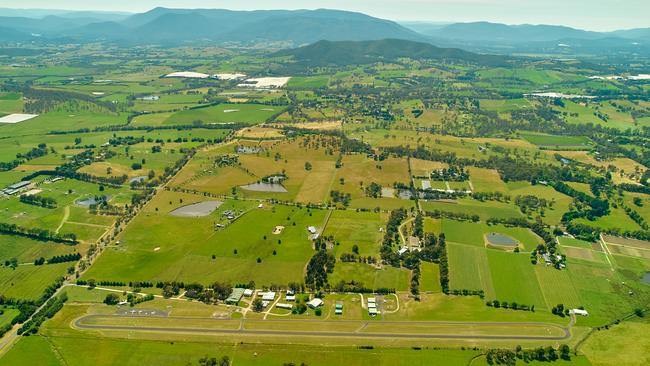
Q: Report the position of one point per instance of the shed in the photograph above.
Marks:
(235, 295)
(580, 312)
(284, 306)
(248, 292)
(315, 302)
(267, 296)
(290, 298)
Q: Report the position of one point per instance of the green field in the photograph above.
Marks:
(224, 113)
(186, 247)
(556, 141)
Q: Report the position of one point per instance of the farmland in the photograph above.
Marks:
(402, 211)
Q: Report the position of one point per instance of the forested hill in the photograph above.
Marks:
(326, 53)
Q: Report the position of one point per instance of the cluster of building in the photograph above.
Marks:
(17, 188)
(268, 297)
(313, 232)
(372, 306)
(229, 214)
(548, 259)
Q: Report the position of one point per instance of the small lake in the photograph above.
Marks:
(89, 201)
(265, 187)
(197, 209)
(646, 278)
(501, 240)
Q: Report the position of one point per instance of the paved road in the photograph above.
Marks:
(350, 334)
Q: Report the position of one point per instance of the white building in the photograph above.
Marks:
(315, 302)
(580, 312)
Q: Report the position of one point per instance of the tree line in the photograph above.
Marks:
(38, 234)
(36, 200)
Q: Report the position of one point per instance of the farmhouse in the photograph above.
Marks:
(402, 250)
(235, 296)
(315, 302)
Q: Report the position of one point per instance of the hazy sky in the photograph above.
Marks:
(587, 14)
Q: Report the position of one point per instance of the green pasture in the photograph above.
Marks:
(225, 113)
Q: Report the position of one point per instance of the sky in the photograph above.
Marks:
(598, 15)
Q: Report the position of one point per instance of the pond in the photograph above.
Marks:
(89, 201)
(197, 209)
(265, 187)
(646, 278)
(501, 240)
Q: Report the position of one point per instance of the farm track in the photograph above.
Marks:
(242, 330)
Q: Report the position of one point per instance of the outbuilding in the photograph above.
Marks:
(581, 312)
(235, 296)
(315, 302)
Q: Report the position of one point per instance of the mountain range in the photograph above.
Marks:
(342, 53)
(285, 28)
(174, 26)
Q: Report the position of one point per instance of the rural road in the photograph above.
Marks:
(78, 323)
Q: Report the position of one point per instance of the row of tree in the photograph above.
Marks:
(48, 311)
(37, 234)
(37, 200)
